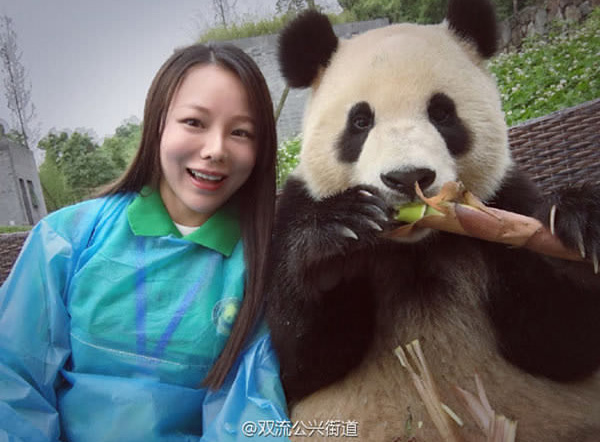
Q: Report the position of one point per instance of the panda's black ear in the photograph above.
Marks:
(306, 44)
(475, 20)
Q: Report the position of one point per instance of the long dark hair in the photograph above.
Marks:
(257, 194)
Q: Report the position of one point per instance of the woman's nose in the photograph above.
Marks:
(214, 148)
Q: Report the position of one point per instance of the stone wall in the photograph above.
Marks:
(263, 49)
(534, 20)
(21, 197)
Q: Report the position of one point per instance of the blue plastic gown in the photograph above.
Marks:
(82, 359)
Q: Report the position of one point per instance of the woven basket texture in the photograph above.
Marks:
(10, 246)
(557, 150)
(561, 148)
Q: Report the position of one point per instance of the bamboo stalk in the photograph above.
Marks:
(459, 211)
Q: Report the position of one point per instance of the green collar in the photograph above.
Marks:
(148, 216)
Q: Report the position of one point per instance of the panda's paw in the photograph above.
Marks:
(356, 216)
(573, 215)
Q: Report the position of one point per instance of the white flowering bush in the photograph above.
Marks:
(552, 72)
(287, 158)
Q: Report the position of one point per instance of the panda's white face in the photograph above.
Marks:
(401, 104)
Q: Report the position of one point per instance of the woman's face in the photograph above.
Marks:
(208, 147)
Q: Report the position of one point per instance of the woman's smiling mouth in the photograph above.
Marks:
(206, 176)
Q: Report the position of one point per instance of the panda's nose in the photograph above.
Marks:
(404, 180)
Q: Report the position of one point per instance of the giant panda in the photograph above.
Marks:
(390, 107)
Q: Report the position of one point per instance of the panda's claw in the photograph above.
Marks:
(374, 225)
(365, 193)
(581, 245)
(348, 233)
(379, 212)
(578, 223)
(553, 219)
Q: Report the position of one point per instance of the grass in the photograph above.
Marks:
(14, 229)
(262, 27)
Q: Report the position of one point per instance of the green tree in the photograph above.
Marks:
(123, 145)
(432, 11)
(57, 193)
(394, 10)
(294, 6)
(16, 88)
(81, 162)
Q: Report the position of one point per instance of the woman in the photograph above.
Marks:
(134, 316)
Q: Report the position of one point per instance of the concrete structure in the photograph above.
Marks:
(21, 197)
(263, 49)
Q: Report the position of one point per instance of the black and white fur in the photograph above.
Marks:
(390, 107)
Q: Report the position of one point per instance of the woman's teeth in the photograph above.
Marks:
(204, 176)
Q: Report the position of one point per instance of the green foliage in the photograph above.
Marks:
(294, 6)
(14, 229)
(262, 27)
(505, 8)
(74, 167)
(54, 185)
(416, 11)
(551, 72)
(245, 30)
(16, 136)
(394, 10)
(432, 11)
(287, 158)
(123, 145)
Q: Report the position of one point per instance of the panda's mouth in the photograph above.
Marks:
(397, 200)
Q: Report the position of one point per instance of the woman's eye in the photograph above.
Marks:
(242, 133)
(192, 122)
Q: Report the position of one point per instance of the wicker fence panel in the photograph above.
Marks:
(10, 246)
(562, 148)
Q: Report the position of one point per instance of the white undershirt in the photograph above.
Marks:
(185, 230)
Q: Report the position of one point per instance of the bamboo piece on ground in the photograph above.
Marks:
(423, 381)
(496, 428)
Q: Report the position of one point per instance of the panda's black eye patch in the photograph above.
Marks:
(361, 117)
(441, 111)
(360, 121)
